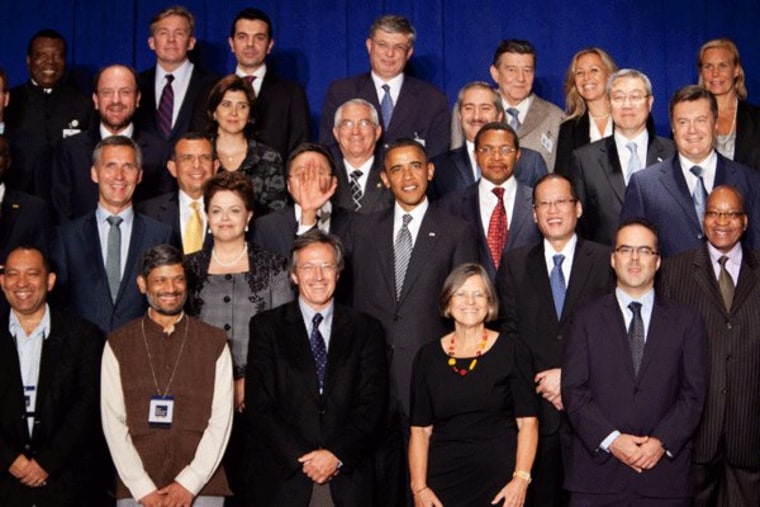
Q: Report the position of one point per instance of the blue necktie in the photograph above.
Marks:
(636, 336)
(634, 163)
(557, 280)
(514, 120)
(318, 349)
(386, 107)
(699, 197)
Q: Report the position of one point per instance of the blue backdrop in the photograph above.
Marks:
(318, 41)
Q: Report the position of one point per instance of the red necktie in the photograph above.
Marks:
(251, 78)
(166, 108)
(497, 228)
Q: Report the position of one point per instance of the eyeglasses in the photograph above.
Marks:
(561, 203)
(325, 267)
(635, 99)
(396, 48)
(730, 215)
(641, 251)
(504, 151)
(363, 124)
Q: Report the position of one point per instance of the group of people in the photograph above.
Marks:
(504, 305)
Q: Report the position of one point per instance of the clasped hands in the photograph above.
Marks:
(173, 495)
(28, 472)
(320, 466)
(639, 453)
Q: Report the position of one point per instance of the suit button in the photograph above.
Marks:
(228, 277)
(723, 391)
(226, 299)
(27, 447)
(321, 411)
(559, 337)
(700, 236)
(227, 327)
(729, 326)
(728, 357)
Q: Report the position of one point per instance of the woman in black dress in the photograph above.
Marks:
(473, 417)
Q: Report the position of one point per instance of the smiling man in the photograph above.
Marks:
(408, 107)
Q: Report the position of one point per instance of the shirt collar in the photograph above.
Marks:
(128, 131)
(101, 214)
(179, 73)
(308, 312)
(417, 213)
(15, 329)
(734, 255)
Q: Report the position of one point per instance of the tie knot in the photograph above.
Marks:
(169, 78)
(250, 79)
(697, 171)
(635, 307)
(722, 261)
(356, 175)
(558, 259)
(113, 220)
(513, 111)
(631, 147)
(498, 192)
(386, 87)
(406, 219)
(195, 205)
(317, 319)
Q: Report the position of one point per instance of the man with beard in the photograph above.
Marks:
(478, 104)
(166, 396)
(116, 98)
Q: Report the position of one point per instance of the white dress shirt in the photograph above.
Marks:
(180, 84)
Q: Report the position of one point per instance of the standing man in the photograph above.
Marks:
(166, 396)
(721, 280)
(409, 107)
(597, 168)
(281, 110)
(540, 286)
(359, 165)
(633, 398)
(317, 389)
(672, 193)
(174, 91)
(96, 255)
(193, 163)
(116, 98)
(399, 259)
(42, 112)
(478, 104)
(49, 365)
(498, 205)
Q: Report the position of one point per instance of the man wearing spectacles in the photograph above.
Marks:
(672, 194)
(601, 170)
(634, 399)
(721, 280)
(500, 205)
(408, 107)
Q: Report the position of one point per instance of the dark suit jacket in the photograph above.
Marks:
(526, 300)
(82, 282)
(74, 193)
(35, 122)
(601, 394)
(747, 150)
(282, 118)
(165, 209)
(453, 171)
(289, 416)
(192, 113)
(24, 220)
(376, 196)
(66, 418)
(443, 243)
(522, 229)
(422, 111)
(598, 178)
(659, 193)
(734, 346)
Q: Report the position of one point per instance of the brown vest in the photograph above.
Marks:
(165, 452)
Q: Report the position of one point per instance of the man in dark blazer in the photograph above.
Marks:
(193, 162)
(171, 38)
(49, 376)
(404, 297)
(97, 273)
(663, 193)
(282, 119)
(24, 218)
(42, 112)
(497, 150)
(477, 104)
(116, 97)
(727, 443)
(533, 315)
(633, 398)
(417, 109)
(316, 389)
(597, 168)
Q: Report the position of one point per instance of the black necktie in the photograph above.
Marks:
(636, 335)
(318, 349)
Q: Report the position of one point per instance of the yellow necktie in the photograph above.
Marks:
(193, 237)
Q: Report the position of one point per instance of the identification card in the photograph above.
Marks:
(30, 399)
(161, 411)
(547, 142)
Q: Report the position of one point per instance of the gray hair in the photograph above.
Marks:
(117, 141)
(630, 73)
(497, 103)
(357, 102)
(393, 23)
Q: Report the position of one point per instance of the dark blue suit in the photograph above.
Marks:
(24, 220)
(82, 280)
(659, 193)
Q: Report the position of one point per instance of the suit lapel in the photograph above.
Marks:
(374, 189)
(749, 277)
(536, 268)
(609, 160)
(97, 267)
(135, 249)
(673, 181)
(9, 214)
(659, 330)
(579, 273)
(462, 163)
(522, 213)
(385, 252)
(534, 117)
(704, 275)
(655, 151)
(404, 108)
(297, 337)
(339, 341)
(424, 247)
(615, 323)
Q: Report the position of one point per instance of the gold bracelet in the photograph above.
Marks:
(522, 475)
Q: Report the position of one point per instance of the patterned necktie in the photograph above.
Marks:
(699, 197)
(318, 349)
(356, 190)
(251, 79)
(386, 107)
(497, 228)
(166, 108)
(557, 281)
(402, 252)
(113, 255)
(514, 118)
(634, 163)
(636, 335)
(193, 237)
(725, 283)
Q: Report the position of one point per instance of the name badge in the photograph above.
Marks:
(70, 132)
(30, 399)
(419, 139)
(547, 142)
(161, 411)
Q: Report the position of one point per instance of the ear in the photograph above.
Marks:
(270, 46)
(152, 43)
(229, 41)
(494, 74)
(50, 281)
(172, 166)
(578, 208)
(94, 174)
(368, 43)
(191, 44)
(142, 284)
(430, 171)
(95, 100)
(139, 177)
(384, 177)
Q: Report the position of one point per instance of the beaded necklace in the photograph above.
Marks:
(453, 360)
